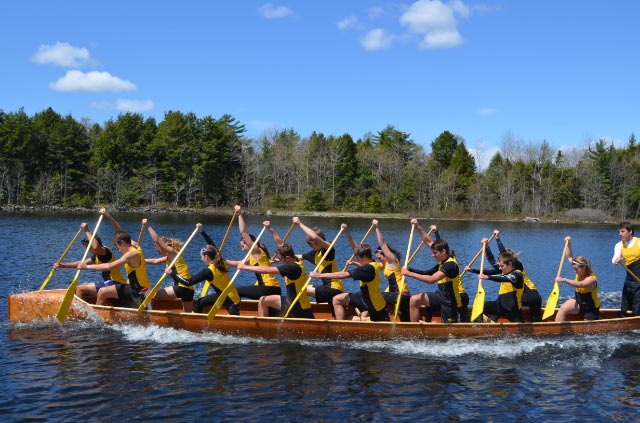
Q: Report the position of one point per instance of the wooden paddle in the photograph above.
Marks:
(66, 251)
(155, 288)
(286, 236)
(478, 301)
(552, 301)
(225, 292)
(63, 309)
(205, 287)
(304, 286)
(418, 248)
(140, 235)
(633, 275)
(402, 282)
(364, 238)
(473, 260)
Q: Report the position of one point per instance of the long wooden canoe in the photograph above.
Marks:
(42, 306)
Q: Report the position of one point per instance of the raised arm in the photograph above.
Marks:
(114, 223)
(206, 236)
(570, 255)
(352, 243)
(242, 226)
(425, 236)
(311, 233)
(166, 250)
(274, 234)
(391, 258)
(501, 247)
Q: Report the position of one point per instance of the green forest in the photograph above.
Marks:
(186, 161)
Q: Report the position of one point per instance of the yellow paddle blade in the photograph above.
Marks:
(552, 301)
(63, 309)
(220, 300)
(478, 303)
(155, 288)
(225, 292)
(205, 288)
(64, 254)
(315, 269)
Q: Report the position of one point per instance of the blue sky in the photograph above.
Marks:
(564, 71)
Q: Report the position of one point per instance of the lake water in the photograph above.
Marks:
(96, 373)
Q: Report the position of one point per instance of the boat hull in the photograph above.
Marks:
(40, 306)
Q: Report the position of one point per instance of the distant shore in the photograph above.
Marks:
(227, 211)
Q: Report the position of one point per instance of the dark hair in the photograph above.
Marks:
(442, 244)
(122, 236)
(508, 257)
(260, 245)
(285, 250)
(319, 232)
(214, 254)
(626, 225)
(364, 250)
(97, 238)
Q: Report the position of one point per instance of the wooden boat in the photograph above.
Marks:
(42, 306)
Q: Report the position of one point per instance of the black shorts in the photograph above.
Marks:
(254, 292)
(296, 311)
(355, 300)
(185, 294)
(325, 294)
(127, 297)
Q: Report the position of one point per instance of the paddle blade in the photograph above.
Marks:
(215, 308)
(552, 301)
(46, 281)
(150, 295)
(205, 288)
(478, 303)
(63, 309)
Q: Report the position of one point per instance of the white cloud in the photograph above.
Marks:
(76, 81)
(62, 54)
(377, 39)
(134, 105)
(271, 11)
(347, 23)
(125, 105)
(487, 111)
(375, 12)
(436, 21)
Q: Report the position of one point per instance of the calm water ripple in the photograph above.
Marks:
(94, 373)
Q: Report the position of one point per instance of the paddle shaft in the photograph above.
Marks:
(286, 236)
(205, 287)
(402, 282)
(63, 309)
(633, 275)
(417, 249)
(364, 238)
(552, 301)
(478, 301)
(225, 292)
(304, 286)
(477, 255)
(140, 235)
(155, 288)
(66, 251)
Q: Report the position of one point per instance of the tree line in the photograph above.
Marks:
(191, 161)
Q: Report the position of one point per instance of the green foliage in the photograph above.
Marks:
(314, 199)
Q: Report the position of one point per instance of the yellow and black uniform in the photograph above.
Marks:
(295, 276)
(630, 299)
(369, 277)
(219, 280)
(529, 295)
(588, 301)
(182, 291)
(508, 304)
(266, 284)
(330, 287)
(132, 294)
(447, 298)
(390, 294)
(114, 274)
